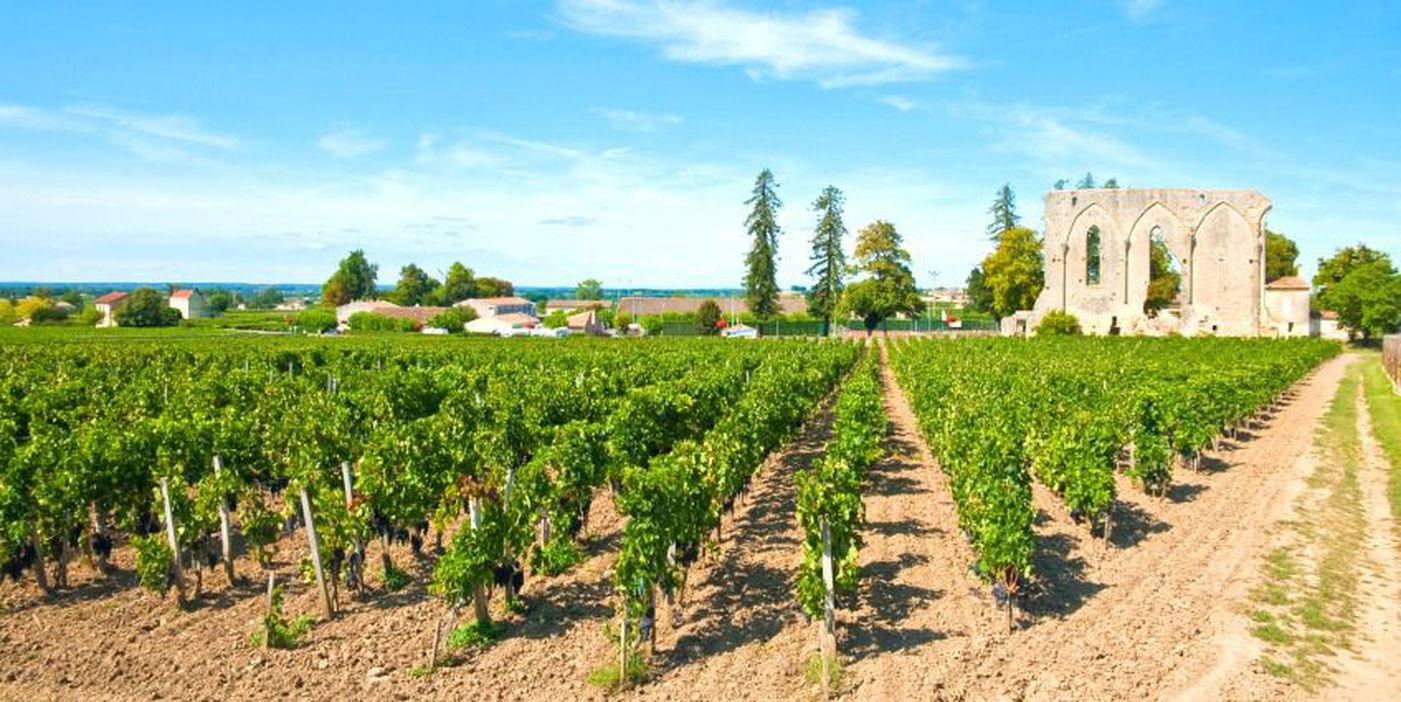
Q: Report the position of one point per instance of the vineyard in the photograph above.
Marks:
(470, 470)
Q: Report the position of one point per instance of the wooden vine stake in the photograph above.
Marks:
(479, 603)
(623, 648)
(226, 540)
(38, 546)
(316, 555)
(174, 542)
(828, 635)
(267, 620)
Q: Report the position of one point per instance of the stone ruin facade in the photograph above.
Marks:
(1096, 257)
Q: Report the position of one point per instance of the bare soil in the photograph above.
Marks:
(1155, 616)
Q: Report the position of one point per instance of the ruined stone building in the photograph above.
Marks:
(1096, 257)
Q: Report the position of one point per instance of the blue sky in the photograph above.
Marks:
(552, 141)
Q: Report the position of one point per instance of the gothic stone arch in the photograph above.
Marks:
(1217, 237)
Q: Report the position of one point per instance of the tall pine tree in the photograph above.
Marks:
(828, 261)
(1003, 211)
(760, 278)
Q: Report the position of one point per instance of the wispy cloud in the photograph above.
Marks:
(823, 46)
(160, 137)
(1140, 10)
(347, 142)
(630, 121)
(172, 127)
(568, 221)
(902, 104)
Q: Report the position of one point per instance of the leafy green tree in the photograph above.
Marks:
(414, 287)
(708, 318)
(218, 301)
(453, 319)
(354, 279)
(1086, 183)
(1367, 299)
(589, 289)
(889, 288)
(979, 296)
(72, 297)
(1111, 184)
(1332, 270)
(458, 285)
(1003, 211)
(760, 278)
(555, 320)
(316, 320)
(488, 286)
(1164, 282)
(1280, 256)
(1013, 272)
(146, 307)
(828, 259)
(267, 298)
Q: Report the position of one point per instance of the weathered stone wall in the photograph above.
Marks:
(1215, 236)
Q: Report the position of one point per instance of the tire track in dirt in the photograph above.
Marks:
(1376, 665)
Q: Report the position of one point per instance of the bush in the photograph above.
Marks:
(316, 319)
(652, 325)
(555, 320)
(1058, 323)
(453, 319)
(146, 307)
(708, 318)
(369, 321)
(48, 315)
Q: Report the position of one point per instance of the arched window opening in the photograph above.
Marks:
(1092, 256)
(1164, 278)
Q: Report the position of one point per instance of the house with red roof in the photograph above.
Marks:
(107, 306)
(190, 304)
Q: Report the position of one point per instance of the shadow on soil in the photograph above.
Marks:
(1132, 524)
(892, 603)
(1065, 585)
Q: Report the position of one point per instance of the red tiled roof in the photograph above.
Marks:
(648, 306)
(418, 314)
(182, 294)
(500, 300)
(574, 304)
(517, 318)
(1288, 282)
(110, 298)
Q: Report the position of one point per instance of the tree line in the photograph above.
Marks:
(877, 285)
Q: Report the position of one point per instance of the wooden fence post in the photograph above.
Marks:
(174, 542)
(316, 555)
(225, 529)
(829, 605)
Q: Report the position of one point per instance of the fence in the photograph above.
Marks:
(1391, 359)
(814, 327)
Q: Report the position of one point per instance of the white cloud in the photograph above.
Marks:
(821, 45)
(630, 121)
(1140, 10)
(171, 127)
(900, 103)
(346, 142)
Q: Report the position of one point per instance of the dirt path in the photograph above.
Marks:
(915, 587)
(1377, 662)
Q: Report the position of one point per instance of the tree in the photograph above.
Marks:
(487, 286)
(589, 289)
(1164, 283)
(1003, 211)
(555, 320)
(760, 278)
(708, 318)
(7, 312)
(146, 307)
(1367, 299)
(1060, 184)
(1013, 273)
(218, 301)
(453, 319)
(889, 288)
(458, 285)
(267, 298)
(1058, 323)
(1111, 184)
(828, 259)
(1086, 183)
(1331, 271)
(415, 285)
(1280, 256)
(354, 279)
(976, 289)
